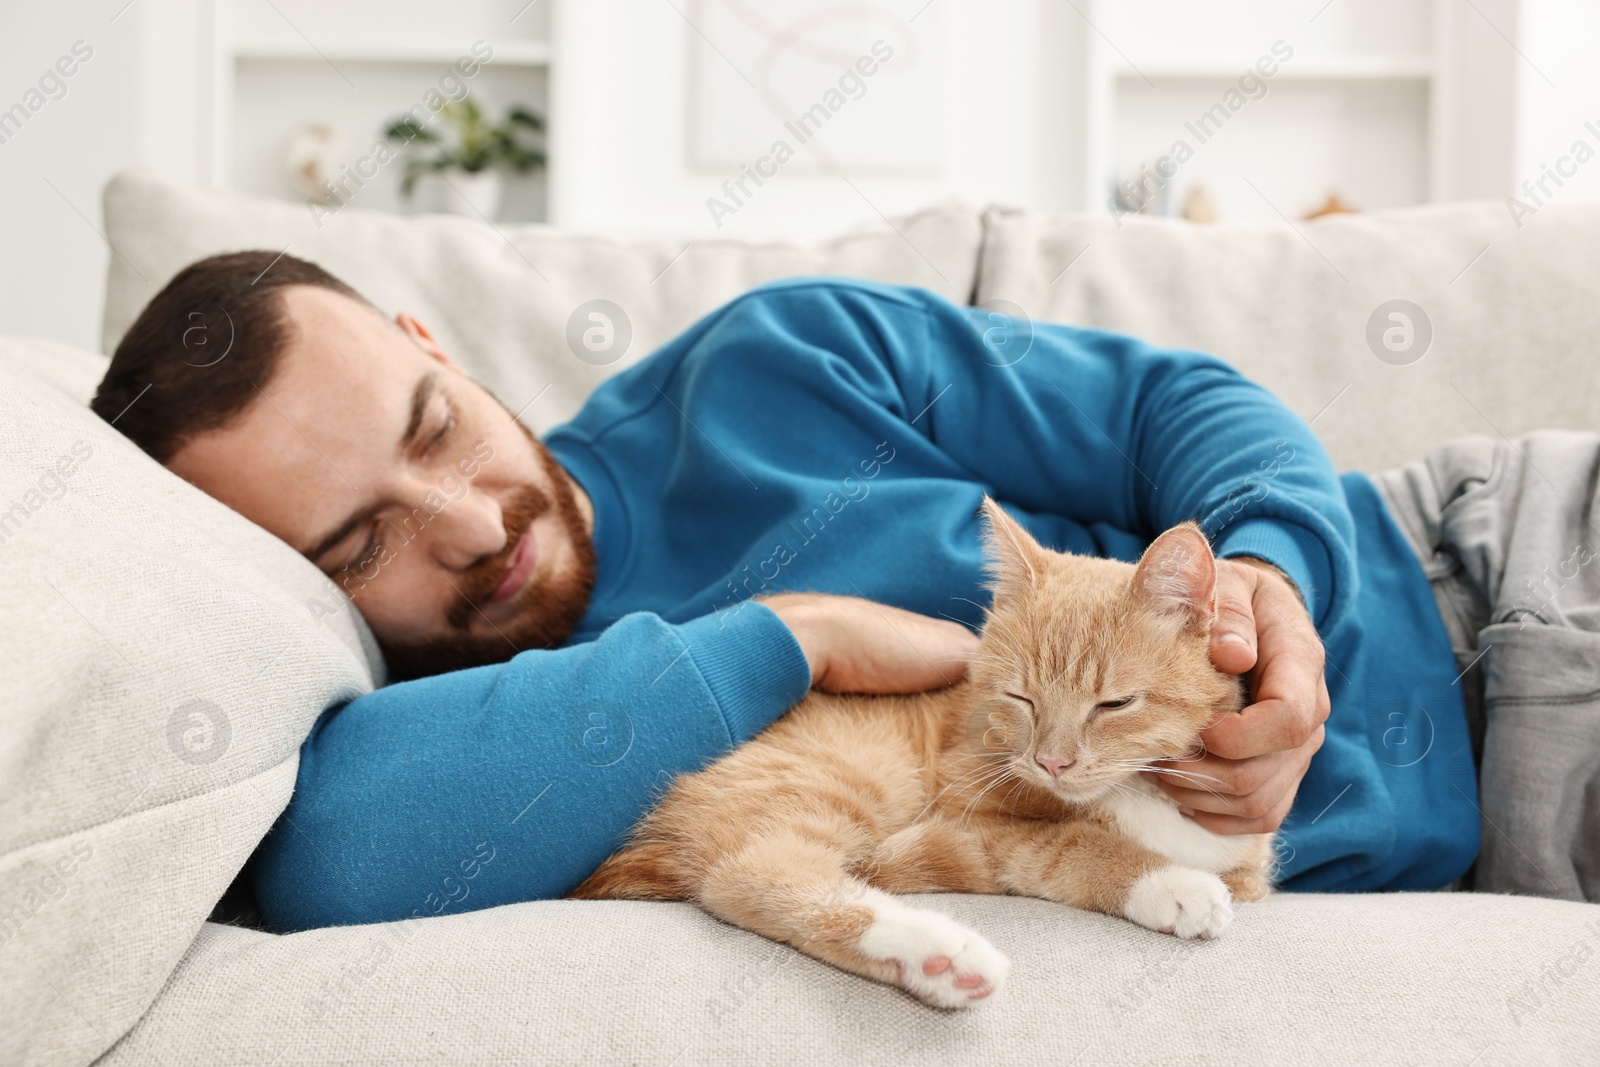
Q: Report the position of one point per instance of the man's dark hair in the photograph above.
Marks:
(194, 358)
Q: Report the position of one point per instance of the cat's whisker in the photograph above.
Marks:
(966, 777)
(997, 624)
(1006, 642)
(977, 772)
(1186, 775)
(1190, 778)
(990, 618)
(1193, 781)
(984, 784)
(987, 757)
(1120, 788)
(961, 819)
(1011, 792)
(995, 629)
(1145, 761)
(970, 780)
(973, 803)
(992, 774)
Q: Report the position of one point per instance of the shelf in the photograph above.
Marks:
(506, 53)
(1354, 68)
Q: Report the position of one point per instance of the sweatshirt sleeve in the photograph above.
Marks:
(513, 782)
(1124, 432)
(1116, 435)
(1105, 428)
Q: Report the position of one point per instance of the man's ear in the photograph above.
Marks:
(423, 339)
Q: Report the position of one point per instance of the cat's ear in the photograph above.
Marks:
(1177, 575)
(1015, 558)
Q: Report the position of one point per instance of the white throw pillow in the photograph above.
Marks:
(504, 300)
(164, 658)
(1513, 314)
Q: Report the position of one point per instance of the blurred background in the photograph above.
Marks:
(776, 118)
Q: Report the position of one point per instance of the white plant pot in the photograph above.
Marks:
(459, 193)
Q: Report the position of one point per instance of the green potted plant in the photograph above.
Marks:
(469, 156)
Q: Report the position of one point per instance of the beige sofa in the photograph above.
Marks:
(165, 658)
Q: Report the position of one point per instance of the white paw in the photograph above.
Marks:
(1181, 901)
(941, 962)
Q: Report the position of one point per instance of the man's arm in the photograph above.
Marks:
(1192, 438)
(1103, 429)
(513, 781)
(1117, 435)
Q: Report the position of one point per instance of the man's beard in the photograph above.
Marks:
(547, 611)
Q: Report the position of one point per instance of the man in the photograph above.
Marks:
(578, 619)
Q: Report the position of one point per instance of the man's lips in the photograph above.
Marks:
(518, 567)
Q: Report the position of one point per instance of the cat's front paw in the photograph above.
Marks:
(940, 961)
(1181, 901)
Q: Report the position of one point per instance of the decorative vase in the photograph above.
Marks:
(311, 161)
(460, 193)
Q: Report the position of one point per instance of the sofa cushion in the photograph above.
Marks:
(164, 658)
(74, 371)
(511, 303)
(1450, 979)
(1514, 320)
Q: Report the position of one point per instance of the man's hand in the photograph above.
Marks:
(1257, 757)
(859, 646)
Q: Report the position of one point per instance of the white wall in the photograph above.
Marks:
(1558, 88)
(52, 259)
(1009, 109)
(621, 85)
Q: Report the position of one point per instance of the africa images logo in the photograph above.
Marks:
(198, 732)
(1399, 332)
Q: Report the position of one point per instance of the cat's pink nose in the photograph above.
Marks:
(1053, 765)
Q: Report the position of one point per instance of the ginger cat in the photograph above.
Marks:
(1023, 778)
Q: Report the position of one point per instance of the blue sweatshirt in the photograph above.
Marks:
(838, 436)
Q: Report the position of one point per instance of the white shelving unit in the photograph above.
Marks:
(519, 53)
(1342, 68)
(1359, 109)
(277, 67)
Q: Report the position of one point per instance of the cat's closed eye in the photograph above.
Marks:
(1111, 705)
(1019, 698)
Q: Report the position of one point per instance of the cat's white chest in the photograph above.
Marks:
(1150, 817)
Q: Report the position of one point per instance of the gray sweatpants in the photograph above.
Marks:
(1508, 534)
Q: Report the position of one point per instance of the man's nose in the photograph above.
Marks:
(466, 529)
